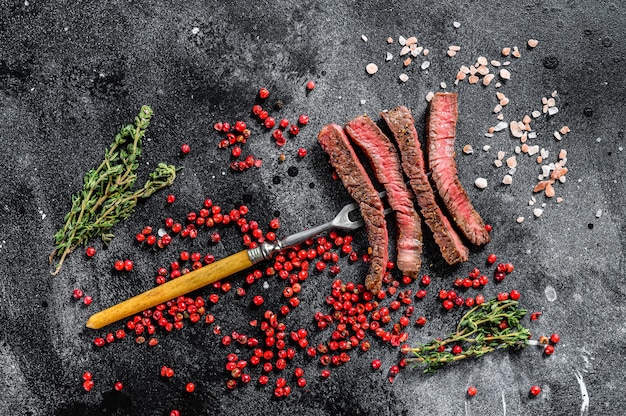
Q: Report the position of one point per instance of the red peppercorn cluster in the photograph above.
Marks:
(549, 344)
(123, 265)
(475, 279)
(236, 135)
(276, 347)
(88, 383)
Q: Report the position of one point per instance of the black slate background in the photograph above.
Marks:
(71, 73)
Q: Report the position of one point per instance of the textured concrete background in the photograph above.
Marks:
(72, 72)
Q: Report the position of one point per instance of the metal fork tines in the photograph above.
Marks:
(341, 221)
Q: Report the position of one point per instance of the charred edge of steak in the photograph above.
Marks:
(401, 123)
(344, 160)
(441, 124)
(384, 159)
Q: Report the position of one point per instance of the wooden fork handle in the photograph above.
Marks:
(177, 287)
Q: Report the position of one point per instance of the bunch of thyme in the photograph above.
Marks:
(107, 196)
(483, 329)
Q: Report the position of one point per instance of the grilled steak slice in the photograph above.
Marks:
(384, 159)
(346, 163)
(402, 125)
(441, 136)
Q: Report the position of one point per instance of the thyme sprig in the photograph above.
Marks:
(479, 332)
(107, 196)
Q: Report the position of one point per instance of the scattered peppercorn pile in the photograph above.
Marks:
(352, 320)
(274, 350)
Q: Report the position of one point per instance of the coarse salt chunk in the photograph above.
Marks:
(501, 126)
(443, 85)
(464, 69)
(532, 150)
(559, 200)
(486, 148)
(468, 149)
(371, 68)
(500, 116)
(362, 102)
(450, 53)
(456, 24)
(495, 63)
(532, 135)
(389, 39)
(161, 232)
(537, 212)
(482, 70)
(501, 154)
(407, 62)
(497, 108)
(487, 80)
(488, 134)
(497, 163)
(364, 38)
(558, 136)
(480, 183)
(195, 30)
(520, 220)
(562, 154)
(515, 128)
(405, 50)
(411, 41)
(506, 51)
(430, 96)
(507, 180)
(482, 61)
(532, 43)
(511, 162)
(404, 77)
(388, 56)
(536, 113)
(425, 64)
(505, 74)
(553, 110)
(402, 40)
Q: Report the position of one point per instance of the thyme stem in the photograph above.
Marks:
(479, 332)
(107, 197)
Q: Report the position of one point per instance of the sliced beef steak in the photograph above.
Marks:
(384, 159)
(441, 136)
(402, 125)
(354, 177)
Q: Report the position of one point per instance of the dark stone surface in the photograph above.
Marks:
(71, 73)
